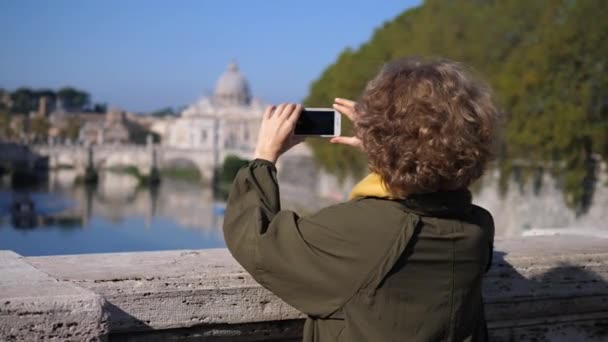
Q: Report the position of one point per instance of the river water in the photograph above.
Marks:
(115, 216)
(120, 216)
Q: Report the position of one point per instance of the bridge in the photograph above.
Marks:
(302, 182)
(107, 156)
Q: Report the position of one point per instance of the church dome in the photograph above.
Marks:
(232, 87)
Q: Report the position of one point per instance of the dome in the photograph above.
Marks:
(232, 87)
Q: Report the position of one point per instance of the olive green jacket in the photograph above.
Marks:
(369, 269)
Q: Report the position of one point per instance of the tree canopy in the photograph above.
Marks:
(547, 61)
(164, 112)
(25, 100)
(73, 98)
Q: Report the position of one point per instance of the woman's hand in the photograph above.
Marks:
(276, 132)
(347, 107)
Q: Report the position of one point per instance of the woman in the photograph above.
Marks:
(403, 259)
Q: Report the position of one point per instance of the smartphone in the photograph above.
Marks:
(320, 122)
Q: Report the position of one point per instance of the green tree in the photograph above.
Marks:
(24, 101)
(74, 99)
(545, 59)
(168, 111)
(230, 167)
(48, 93)
(99, 108)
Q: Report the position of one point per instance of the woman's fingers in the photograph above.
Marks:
(350, 141)
(346, 107)
(294, 115)
(279, 110)
(345, 102)
(347, 111)
(286, 111)
(268, 112)
(277, 129)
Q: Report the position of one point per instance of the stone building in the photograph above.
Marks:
(224, 123)
(44, 107)
(58, 117)
(112, 127)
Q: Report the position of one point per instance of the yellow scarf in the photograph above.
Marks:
(370, 186)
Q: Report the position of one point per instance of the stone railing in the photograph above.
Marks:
(539, 289)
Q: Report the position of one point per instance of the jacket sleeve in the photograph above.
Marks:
(308, 262)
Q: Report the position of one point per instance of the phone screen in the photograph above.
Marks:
(317, 122)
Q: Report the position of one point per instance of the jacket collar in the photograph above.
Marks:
(438, 204)
(370, 186)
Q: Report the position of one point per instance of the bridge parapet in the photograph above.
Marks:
(539, 289)
(111, 155)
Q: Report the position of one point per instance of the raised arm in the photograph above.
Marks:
(313, 263)
(308, 265)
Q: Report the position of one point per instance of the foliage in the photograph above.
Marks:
(226, 174)
(230, 167)
(25, 100)
(546, 61)
(99, 108)
(73, 99)
(182, 173)
(151, 179)
(126, 169)
(161, 113)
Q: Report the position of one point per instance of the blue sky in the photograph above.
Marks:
(144, 55)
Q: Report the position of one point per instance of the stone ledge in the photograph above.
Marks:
(34, 306)
(165, 290)
(543, 288)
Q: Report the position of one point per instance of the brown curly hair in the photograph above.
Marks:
(426, 125)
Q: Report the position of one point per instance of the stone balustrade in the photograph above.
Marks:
(539, 289)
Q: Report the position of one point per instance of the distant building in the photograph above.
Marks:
(160, 126)
(112, 127)
(145, 121)
(225, 123)
(44, 107)
(58, 118)
(20, 125)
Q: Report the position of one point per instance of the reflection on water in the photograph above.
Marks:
(116, 215)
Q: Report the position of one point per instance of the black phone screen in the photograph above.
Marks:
(315, 123)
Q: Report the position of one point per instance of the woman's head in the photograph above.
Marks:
(426, 125)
